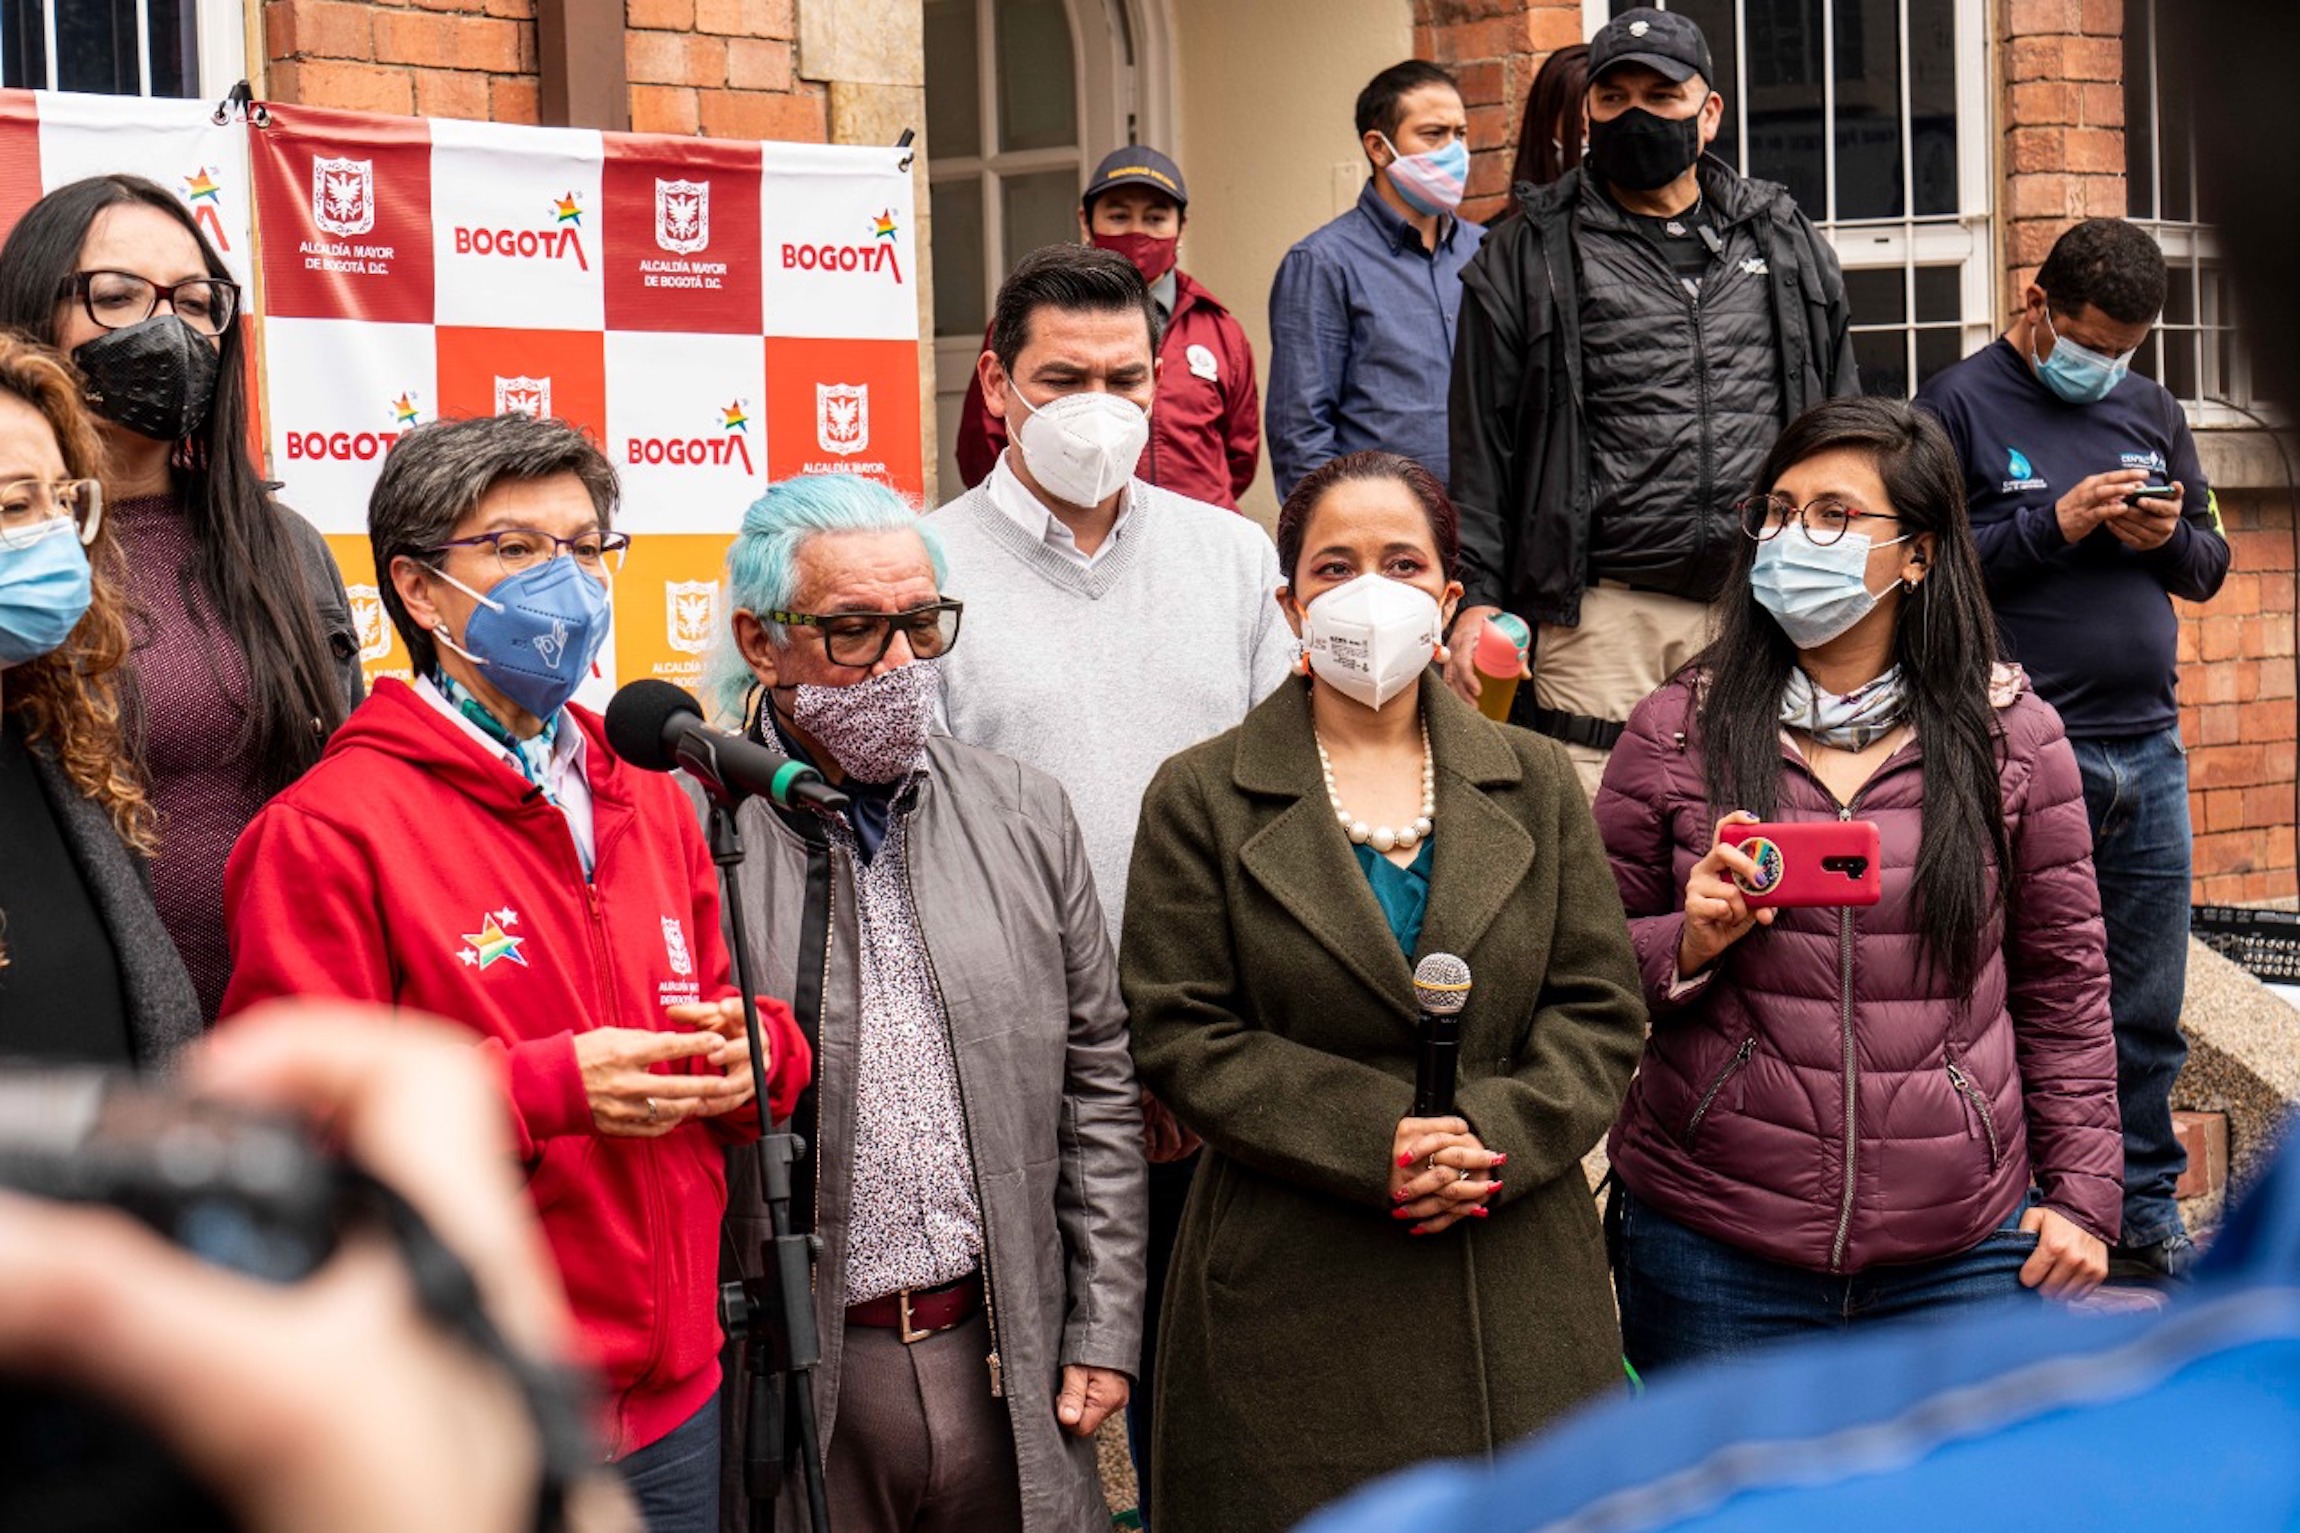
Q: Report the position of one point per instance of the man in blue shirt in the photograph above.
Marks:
(1362, 311)
(2061, 446)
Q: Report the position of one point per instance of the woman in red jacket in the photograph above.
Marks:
(468, 846)
(1841, 1111)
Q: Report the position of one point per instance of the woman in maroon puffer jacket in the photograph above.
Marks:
(1840, 1112)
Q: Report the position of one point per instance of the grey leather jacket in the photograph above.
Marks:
(1021, 954)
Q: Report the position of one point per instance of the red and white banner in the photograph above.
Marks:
(713, 313)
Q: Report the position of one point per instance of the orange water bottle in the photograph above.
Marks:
(1499, 660)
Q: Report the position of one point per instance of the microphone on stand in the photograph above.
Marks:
(659, 728)
(1441, 989)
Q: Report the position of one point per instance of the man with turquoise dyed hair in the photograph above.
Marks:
(2090, 509)
(976, 1162)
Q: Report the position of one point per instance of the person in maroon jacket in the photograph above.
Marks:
(1206, 423)
(1841, 1111)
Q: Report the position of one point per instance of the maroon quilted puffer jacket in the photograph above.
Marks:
(1818, 1096)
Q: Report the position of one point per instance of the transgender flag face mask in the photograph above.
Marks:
(1432, 183)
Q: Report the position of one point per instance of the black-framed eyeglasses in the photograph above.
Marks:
(27, 506)
(1764, 517)
(523, 548)
(118, 299)
(861, 639)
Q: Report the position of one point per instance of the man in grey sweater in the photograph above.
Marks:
(1109, 623)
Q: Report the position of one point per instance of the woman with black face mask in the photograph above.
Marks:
(245, 657)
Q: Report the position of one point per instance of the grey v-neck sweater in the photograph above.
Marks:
(1095, 675)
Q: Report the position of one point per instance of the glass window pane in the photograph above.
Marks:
(2179, 295)
(1715, 19)
(2180, 364)
(1940, 294)
(96, 46)
(961, 305)
(1878, 296)
(1040, 210)
(23, 44)
(2139, 120)
(953, 79)
(1785, 126)
(175, 47)
(1933, 105)
(1937, 349)
(1868, 128)
(1883, 356)
(1037, 105)
(2175, 140)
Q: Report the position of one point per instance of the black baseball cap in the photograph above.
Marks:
(1137, 166)
(1660, 40)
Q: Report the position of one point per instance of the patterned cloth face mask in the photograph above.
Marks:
(875, 730)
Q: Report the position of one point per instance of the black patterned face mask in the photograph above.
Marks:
(156, 378)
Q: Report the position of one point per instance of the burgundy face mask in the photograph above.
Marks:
(1152, 257)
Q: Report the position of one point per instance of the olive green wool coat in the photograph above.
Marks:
(1307, 1342)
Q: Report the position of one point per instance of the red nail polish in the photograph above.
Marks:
(1405, 1160)
(1481, 1212)
(1500, 1161)
(1417, 1230)
(1496, 1190)
(1400, 1194)
(1399, 1213)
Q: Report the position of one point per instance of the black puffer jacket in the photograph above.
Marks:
(1604, 420)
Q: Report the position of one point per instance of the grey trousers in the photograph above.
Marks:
(920, 1446)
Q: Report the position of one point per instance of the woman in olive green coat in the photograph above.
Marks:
(1355, 1289)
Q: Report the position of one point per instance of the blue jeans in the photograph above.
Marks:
(1687, 1298)
(675, 1479)
(2136, 791)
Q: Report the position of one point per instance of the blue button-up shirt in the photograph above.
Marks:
(1361, 340)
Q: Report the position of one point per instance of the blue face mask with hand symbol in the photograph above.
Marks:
(536, 633)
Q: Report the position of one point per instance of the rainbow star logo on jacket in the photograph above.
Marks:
(493, 941)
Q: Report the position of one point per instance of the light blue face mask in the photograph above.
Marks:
(536, 633)
(1815, 593)
(1434, 183)
(2078, 374)
(44, 591)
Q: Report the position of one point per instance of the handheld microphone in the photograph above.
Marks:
(659, 728)
(1441, 989)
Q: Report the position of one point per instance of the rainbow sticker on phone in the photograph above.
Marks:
(1771, 866)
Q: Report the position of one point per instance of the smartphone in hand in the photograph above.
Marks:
(1814, 863)
(2153, 497)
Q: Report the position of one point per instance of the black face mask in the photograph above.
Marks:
(1640, 152)
(156, 378)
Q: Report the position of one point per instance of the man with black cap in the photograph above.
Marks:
(1629, 349)
(1206, 417)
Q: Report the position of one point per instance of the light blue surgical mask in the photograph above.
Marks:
(1815, 593)
(1432, 184)
(2078, 374)
(44, 590)
(536, 633)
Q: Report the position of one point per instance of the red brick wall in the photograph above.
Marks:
(1495, 47)
(719, 68)
(2063, 124)
(2238, 711)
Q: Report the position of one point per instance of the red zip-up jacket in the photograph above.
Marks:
(410, 868)
(1205, 420)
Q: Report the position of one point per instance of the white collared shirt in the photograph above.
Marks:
(1010, 495)
(564, 778)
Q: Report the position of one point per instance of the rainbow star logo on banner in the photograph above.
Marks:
(735, 419)
(201, 186)
(883, 225)
(403, 408)
(492, 942)
(569, 211)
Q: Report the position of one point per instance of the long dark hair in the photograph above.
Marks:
(1945, 643)
(1556, 92)
(247, 566)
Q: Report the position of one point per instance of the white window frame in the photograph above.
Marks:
(219, 29)
(1961, 239)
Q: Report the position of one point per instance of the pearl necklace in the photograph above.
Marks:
(1381, 837)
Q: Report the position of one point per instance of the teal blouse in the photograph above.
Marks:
(1403, 893)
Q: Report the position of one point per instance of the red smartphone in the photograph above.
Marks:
(1819, 862)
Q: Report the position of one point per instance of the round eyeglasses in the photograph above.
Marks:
(861, 639)
(118, 299)
(27, 506)
(521, 548)
(1825, 520)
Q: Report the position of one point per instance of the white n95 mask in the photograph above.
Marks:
(1082, 448)
(1371, 638)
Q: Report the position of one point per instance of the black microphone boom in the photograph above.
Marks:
(659, 728)
(1441, 989)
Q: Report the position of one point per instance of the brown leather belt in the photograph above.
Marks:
(917, 1313)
